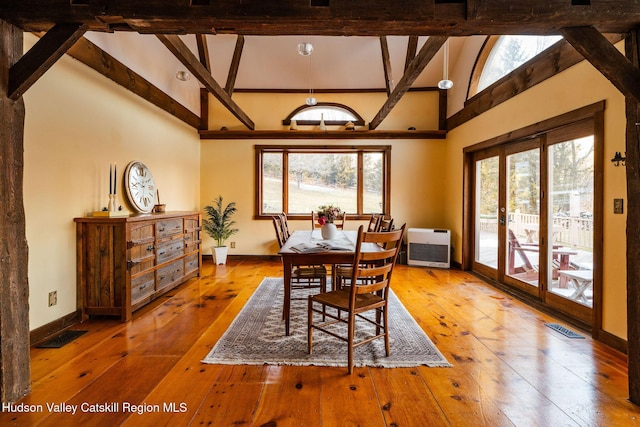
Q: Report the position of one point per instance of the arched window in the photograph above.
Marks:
(332, 113)
(503, 54)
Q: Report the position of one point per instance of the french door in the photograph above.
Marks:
(533, 207)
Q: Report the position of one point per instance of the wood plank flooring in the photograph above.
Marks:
(508, 368)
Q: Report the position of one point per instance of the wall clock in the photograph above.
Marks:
(141, 189)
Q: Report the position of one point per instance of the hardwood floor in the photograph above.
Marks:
(508, 368)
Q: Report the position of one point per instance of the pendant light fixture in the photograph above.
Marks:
(305, 49)
(445, 83)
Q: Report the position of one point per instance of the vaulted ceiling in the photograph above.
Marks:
(251, 44)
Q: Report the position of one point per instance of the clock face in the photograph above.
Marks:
(141, 189)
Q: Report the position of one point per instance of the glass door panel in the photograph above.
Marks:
(486, 211)
(571, 207)
(523, 216)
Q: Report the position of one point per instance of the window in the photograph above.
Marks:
(506, 53)
(332, 113)
(296, 180)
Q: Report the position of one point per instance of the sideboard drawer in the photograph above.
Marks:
(169, 250)
(168, 227)
(142, 286)
(169, 273)
(191, 263)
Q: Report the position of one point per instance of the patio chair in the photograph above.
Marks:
(375, 269)
(528, 272)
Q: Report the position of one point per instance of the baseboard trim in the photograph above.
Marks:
(246, 257)
(613, 341)
(43, 332)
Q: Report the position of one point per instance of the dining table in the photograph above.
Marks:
(307, 247)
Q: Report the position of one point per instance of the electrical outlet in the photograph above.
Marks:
(233, 245)
(53, 298)
(618, 206)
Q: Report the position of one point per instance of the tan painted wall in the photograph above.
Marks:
(77, 121)
(574, 88)
(416, 170)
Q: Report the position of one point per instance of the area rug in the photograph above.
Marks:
(256, 336)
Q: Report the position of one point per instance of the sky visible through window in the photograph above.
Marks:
(329, 113)
(509, 53)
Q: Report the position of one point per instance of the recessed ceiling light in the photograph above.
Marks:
(183, 75)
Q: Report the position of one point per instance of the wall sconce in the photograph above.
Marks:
(617, 159)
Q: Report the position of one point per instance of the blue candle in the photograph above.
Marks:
(110, 179)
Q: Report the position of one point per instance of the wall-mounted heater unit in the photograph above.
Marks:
(429, 247)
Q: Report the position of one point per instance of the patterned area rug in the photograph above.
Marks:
(256, 337)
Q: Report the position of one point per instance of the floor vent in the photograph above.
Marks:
(564, 331)
(62, 339)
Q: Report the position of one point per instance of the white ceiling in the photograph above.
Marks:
(272, 62)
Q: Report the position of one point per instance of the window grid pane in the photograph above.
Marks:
(272, 171)
(318, 176)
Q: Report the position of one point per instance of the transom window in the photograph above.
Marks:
(510, 52)
(297, 180)
(331, 113)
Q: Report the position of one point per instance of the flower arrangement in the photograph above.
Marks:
(328, 213)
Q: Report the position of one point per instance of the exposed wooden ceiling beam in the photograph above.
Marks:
(235, 65)
(92, 56)
(314, 134)
(188, 59)
(203, 51)
(412, 48)
(427, 52)
(605, 58)
(386, 64)
(556, 59)
(33, 64)
(357, 17)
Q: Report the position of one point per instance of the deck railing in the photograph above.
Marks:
(575, 232)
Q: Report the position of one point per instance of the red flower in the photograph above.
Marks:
(322, 220)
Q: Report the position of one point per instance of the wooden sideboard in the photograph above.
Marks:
(124, 263)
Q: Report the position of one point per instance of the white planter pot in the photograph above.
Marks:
(219, 254)
(329, 231)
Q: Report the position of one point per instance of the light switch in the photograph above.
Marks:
(618, 206)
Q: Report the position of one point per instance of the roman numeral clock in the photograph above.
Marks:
(140, 186)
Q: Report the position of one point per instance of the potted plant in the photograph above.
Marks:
(219, 225)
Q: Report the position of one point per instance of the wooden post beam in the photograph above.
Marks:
(41, 57)
(189, 60)
(15, 380)
(632, 48)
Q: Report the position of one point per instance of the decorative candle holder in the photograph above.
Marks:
(113, 206)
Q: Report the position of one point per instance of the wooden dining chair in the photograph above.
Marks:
(302, 276)
(374, 221)
(373, 268)
(344, 271)
(385, 224)
(284, 224)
